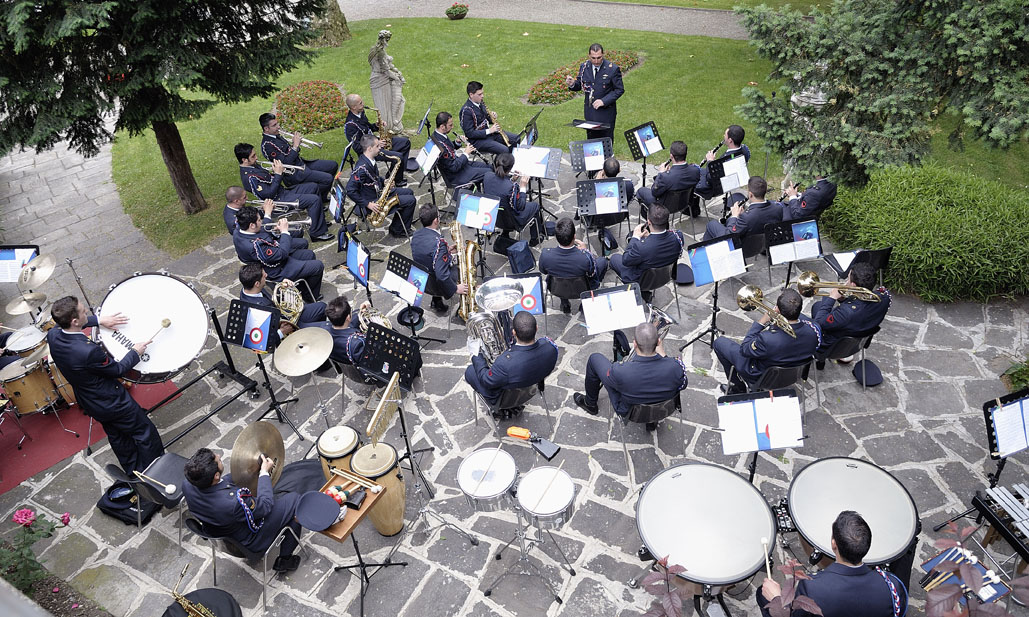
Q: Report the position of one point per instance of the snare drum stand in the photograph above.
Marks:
(525, 544)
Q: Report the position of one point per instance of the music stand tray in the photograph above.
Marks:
(589, 125)
(387, 351)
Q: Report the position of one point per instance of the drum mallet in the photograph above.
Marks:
(164, 324)
(768, 566)
(375, 488)
(169, 489)
(3, 327)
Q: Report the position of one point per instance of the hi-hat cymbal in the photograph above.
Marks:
(26, 303)
(36, 272)
(258, 438)
(303, 351)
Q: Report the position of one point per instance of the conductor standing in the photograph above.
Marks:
(601, 82)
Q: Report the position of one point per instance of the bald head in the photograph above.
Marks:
(354, 102)
(234, 194)
(646, 338)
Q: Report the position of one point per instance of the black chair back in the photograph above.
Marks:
(432, 287)
(753, 244)
(879, 259)
(198, 529)
(677, 201)
(513, 397)
(776, 377)
(654, 412)
(842, 348)
(567, 287)
(655, 278)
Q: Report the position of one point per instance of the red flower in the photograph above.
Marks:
(24, 517)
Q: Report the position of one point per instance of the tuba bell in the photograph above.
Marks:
(808, 285)
(751, 297)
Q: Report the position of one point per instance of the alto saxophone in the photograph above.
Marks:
(193, 609)
(465, 261)
(385, 202)
(384, 134)
(287, 298)
(503, 135)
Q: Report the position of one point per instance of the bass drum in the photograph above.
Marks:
(147, 299)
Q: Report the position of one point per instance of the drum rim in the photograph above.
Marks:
(18, 362)
(829, 554)
(357, 442)
(29, 328)
(696, 579)
(514, 480)
(396, 460)
(545, 515)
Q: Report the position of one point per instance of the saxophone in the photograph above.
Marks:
(385, 202)
(465, 262)
(503, 135)
(193, 609)
(287, 298)
(384, 134)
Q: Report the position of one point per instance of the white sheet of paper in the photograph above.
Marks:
(737, 423)
(844, 259)
(726, 265)
(333, 205)
(614, 311)
(607, 205)
(653, 145)
(361, 254)
(531, 161)
(587, 125)
(1009, 426)
(738, 167)
(426, 159)
(806, 249)
(782, 253)
(782, 417)
(594, 163)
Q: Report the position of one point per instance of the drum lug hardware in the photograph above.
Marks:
(645, 555)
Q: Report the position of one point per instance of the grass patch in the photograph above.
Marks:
(804, 6)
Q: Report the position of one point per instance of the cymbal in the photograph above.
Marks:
(36, 272)
(26, 303)
(258, 438)
(303, 351)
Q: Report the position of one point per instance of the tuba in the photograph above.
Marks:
(751, 296)
(287, 298)
(368, 314)
(808, 285)
(484, 325)
(385, 202)
(465, 261)
(193, 609)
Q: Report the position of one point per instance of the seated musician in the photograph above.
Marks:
(515, 209)
(480, 129)
(345, 328)
(678, 175)
(611, 170)
(652, 245)
(432, 253)
(357, 125)
(365, 188)
(649, 377)
(572, 257)
(236, 198)
(847, 587)
(268, 185)
(749, 218)
(229, 510)
(811, 202)
(457, 170)
(253, 278)
(281, 261)
(528, 361)
(708, 187)
(766, 345)
(851, 316)
(6, 357)
(275, 148)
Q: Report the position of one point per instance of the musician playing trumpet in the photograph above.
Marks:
(357, 126)
(766, 345)
(455, 166)
(365, 188)
(263, 184)
(275, 148)
(481, 127)
(840, 315)
(236, 198)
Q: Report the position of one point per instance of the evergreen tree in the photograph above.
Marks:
(67, 65)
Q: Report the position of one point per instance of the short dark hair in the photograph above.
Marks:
(646, 337)
(233, 193)
(250, 274)
(658, 217)
(442, 118)
(612, 167)
(789, 304)
(853, 536)
(757, 187)
(201, 468)
(427, 213)
(678, 151)
(368, 140)
(736, 133)
(473, 87)
(242, 152)
(564, 231)
(246, 217)
(862, 275)
(338, 311)
(525, 327)
(64, 310)
(265, 119)
(502, 164)
(597, 47)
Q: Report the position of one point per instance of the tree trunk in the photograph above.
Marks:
(332, 24)
(174, 155)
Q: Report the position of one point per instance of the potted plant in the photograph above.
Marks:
(457, 11)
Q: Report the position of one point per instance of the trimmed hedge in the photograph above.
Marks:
(552, 90)
(311, 107)
(954, 235)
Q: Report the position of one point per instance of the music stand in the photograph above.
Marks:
(538, 163)
(589, 155)
(387, 351)
(407, 280)
(760, 421)
(612, 308)
(731, 172)
(713, 261)
(426, 159)
(589, 125)
(644, 140)
(479, 212)
(530, 134)
(425, 119)
(14, 257)
(792, 241)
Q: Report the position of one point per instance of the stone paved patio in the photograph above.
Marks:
(923, 425)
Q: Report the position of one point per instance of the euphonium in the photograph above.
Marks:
(287, 298)
(385, 202)
(808, 285)
(193, 609)
(751, 296)
(368, 314)
(466, 265)
(485, 326)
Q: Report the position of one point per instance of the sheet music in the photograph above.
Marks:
(333, 205)
(612, 311)
(477, 212)
(782, 253)
(427, 156)
(12, 261)
(1009, 428)
(806, 249)
(725, 263)
(736, 173)
(736, 420)
(531, 161)
(844, 259)
(587, 125)
(593, 155)
(764, 423)
(608, 201)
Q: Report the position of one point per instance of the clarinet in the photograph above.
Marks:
(715, 150)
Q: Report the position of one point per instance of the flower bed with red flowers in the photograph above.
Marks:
(311, 107)
(552, 90)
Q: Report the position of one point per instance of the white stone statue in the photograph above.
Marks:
(387, 85)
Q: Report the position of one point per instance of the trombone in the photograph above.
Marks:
(808, 285)
(304, 142)
(751, 296)
(289, 169)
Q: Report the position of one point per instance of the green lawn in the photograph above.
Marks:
(804, 6)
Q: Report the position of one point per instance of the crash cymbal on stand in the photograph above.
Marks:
(26, 303)
(303, 351)
(258, 438)
(36, 272)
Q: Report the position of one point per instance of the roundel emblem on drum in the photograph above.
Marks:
(145, 357)
(256, 335)
(528, 302)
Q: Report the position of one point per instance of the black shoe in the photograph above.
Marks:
(648, 296)
(581, 401)
(286, 563)
(820, 365)
(651, 426)
(393, 234)
(695, 211)
(535, 241)
(323, 238)
(438, 305)
(401, 183)
(566, 307)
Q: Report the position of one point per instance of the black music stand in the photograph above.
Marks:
(736, 435)
(706, 272)
(791, 241)
(551, 172)
(387, 351)
(531, 132)
(641, 144)
(407, 280)
(716, 172)
(584, 154)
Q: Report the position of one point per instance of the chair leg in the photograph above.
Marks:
(214, 562)
(675, 290)
(550, 421)
(818, 394)
(682, 431)
(864, 371)
(625, 450)
(180, 527)
(475, 403)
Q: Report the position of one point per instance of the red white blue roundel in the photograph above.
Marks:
(487, 219)
(528, 302)
(360, 270)
(256, 336)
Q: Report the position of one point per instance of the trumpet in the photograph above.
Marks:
(751, 296)
(279, 205)
(298, 224)
(808, 285)
(289, 169)
(304, 142)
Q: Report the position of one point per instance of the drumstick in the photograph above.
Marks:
(768, 566)
(487, 470)
(164, 324)
(2, 327)
(169, 489)
(356, 479)
(544, 493)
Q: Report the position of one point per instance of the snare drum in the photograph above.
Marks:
(377, 462)
(547, 496)
(64, 388)
(335, 447)
(147, 299)
(25, 341)
(44, 321)
(486, 478)
(28, 387)
(823, 489)
(707, 519)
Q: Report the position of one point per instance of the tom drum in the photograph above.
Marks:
(486, 477)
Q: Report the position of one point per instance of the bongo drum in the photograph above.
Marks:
(486, 477)
(378, 462)
(335, 447)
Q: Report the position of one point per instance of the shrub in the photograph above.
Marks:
(456, 9)
(1017, 377)
(552, 90)
(18, 564)
(954, 235)
(311, 107)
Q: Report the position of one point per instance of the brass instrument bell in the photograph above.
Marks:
(808, 285)
(751, 297)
